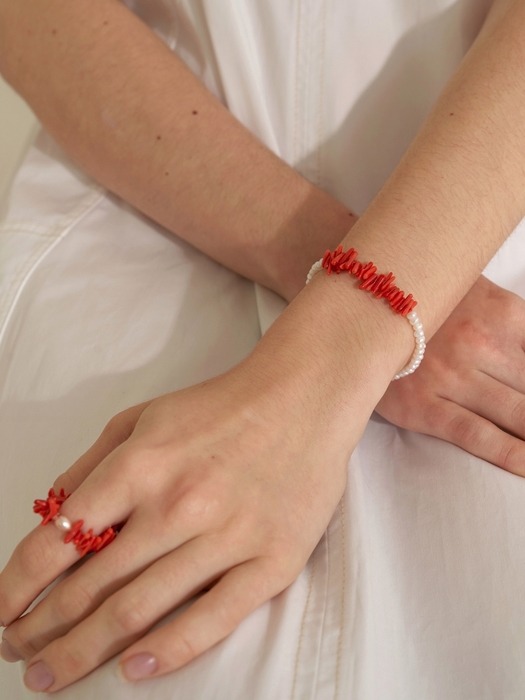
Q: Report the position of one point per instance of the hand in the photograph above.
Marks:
(220, 497)
(470, 388)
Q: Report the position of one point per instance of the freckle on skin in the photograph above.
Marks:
(451, 114)
(194, 111)
(53, 31)
(159, 138)
(166, 173)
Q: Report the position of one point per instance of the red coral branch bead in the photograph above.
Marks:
(85, 542)
(380, 285)
(50, 507)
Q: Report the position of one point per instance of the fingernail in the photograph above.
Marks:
(8, 653)
(38, 677)
(139, 666)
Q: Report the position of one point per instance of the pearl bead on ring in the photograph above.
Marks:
(85, 542)
(62, 523)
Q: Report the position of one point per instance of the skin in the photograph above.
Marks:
(471, 390)
(193, 167)
(221, 513)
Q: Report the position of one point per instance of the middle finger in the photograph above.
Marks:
(85, 589)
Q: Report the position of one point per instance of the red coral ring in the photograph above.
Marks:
(85, 542)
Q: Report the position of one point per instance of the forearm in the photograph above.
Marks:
(130, 113)
(436, 222)
(457, 194)
(459, 191)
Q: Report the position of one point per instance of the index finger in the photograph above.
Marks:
(101, 501)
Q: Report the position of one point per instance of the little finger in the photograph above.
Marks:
(205, 623)
(478, 436)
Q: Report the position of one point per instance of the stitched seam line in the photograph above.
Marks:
(65, 226)
(298, 28)
(302, 631)
(321, 100)
(340, 641)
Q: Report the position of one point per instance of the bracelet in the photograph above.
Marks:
(382, 287)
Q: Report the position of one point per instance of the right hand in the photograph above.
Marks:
(224, 489)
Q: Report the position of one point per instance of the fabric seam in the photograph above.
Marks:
(66, 226)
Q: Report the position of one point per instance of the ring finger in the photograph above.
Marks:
(85, 589)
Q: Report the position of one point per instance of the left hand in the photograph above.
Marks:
(470, 388)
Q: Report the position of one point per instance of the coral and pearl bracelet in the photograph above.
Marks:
(382, 287)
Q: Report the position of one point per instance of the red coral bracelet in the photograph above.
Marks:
(382, 287)
(85, 542)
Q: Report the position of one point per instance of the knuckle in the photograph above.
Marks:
(200, 504)
(72, 603)
(117, 429)
(73, 661)
(129, 616)
(511, 459)
(20, 642)
(510, 307)
(518, 413)
(64, 481)
(281, 573)
(115, 425)
(137, 458)
(471, 333)
(196, 506)
(184, 648)
(464, 430)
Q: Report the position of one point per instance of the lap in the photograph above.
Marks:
(415, 590)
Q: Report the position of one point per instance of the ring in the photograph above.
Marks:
(85, 542)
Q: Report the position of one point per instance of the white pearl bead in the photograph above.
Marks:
(420, 345)
(63, 523)
(415, 360)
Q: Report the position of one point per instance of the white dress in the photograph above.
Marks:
(416, 590)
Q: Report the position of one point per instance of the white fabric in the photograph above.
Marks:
(416, 590)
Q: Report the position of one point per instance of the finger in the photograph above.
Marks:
(8, 653)
(478, 436)
(129, 613)
(205, 623)
(509, 371)
(114, 434)
(497, 402)
(102, 501)
(82, 592)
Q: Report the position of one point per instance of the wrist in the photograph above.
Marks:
(318, 222)
(334, 348)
